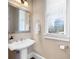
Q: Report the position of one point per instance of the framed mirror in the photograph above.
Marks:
(18, 20)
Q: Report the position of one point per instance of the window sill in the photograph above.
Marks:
(55, 37)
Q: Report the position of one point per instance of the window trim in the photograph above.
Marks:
(66, 36)
(53, 37)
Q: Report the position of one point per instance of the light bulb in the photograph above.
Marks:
(26, 3)
(18, 1)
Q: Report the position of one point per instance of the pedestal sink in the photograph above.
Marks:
(21, 46)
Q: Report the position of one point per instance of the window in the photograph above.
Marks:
(55, 25)
(56, 17)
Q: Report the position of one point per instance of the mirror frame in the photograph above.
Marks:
(29, 19)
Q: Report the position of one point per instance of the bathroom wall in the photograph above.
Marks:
(49, 48)
(18, 36)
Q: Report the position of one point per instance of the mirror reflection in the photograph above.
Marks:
(18, 20)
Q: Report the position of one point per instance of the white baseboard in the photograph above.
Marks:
(36, 54)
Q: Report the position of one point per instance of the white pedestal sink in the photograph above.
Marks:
(22, 46)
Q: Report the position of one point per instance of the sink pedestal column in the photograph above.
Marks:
(23, 54)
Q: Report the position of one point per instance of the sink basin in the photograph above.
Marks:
(21, 44)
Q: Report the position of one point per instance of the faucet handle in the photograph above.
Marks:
(11, 38)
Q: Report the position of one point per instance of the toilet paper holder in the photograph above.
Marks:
(63, 47)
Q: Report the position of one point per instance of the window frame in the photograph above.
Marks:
(66, 36)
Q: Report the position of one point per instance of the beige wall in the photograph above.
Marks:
(48, 48)
(18, 36)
